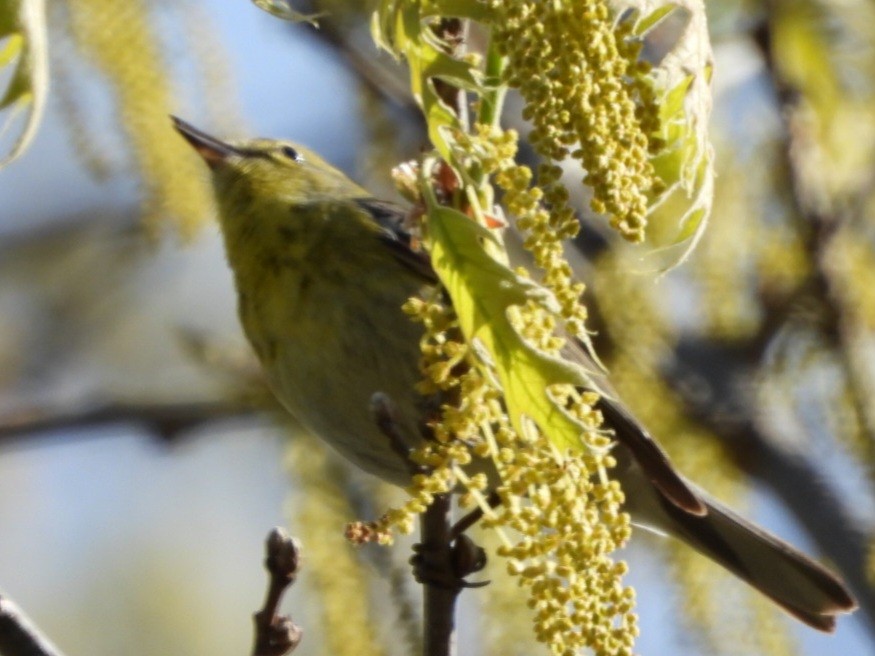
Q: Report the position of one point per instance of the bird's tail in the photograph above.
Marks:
(801, 586)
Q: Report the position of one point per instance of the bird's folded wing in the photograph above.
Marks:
(650, 457)
(390, 218)
(628, 431)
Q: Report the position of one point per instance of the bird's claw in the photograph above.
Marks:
(448, 567)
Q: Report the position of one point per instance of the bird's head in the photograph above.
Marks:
(267, 170)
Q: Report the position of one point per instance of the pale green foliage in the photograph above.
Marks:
(22, 46)
(548, 443)
(483, 291)
(401, 28)
(683, 161)
(681, 83)
(680, 153)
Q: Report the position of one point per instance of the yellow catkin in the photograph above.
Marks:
(505, 616)
(117, 36)
(92, 147)
(572, 66)
(317, 515)
(560, 514)
(632, 319)
(559, 520)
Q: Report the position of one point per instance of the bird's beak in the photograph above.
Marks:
(213, 151)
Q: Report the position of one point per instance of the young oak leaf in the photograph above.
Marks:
(403, 29)
(483, 291)
(681, 81)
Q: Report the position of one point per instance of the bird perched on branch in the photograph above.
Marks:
(322, 270)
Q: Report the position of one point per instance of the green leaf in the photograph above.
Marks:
(682, 83)
(644, 22)
(403, 30)
(23, 28)
(484, 291)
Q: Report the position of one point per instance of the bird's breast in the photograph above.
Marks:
(329, 338)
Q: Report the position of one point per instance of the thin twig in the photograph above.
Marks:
(473, 517)
(439, 604)
(166, 420)
(275, 634)
(19, 636)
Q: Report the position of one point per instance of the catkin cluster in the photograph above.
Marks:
(468, 403)
(575, 70)
(562, 508)
(568, 514)
(544, 228)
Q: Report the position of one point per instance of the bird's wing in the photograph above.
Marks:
(650, 457)
(627, 429)
(390, 218)
(630, 433)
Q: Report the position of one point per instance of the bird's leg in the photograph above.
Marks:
(446, 555)
(448, 565)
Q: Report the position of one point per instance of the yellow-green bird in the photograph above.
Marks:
(322, 269)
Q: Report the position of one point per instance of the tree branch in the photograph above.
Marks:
(439, 602)
(166, 420)
(19, 636)
(275, 634)
(819, 228)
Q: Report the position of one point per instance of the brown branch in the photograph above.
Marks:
(275, 634)
(166, 420)
(433, 555)
(19, 636)
(439, 601)
(819, 228)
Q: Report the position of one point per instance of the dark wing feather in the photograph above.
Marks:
(390, 218)
(631, 434)
(650, 457)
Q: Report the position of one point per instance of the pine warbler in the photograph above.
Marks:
(322, 270)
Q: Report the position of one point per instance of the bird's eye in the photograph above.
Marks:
(291, 153)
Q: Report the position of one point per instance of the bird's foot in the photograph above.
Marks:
(447, 567)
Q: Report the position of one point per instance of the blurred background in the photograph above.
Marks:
(141, 463)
